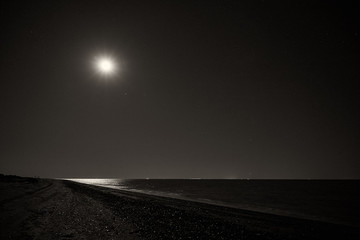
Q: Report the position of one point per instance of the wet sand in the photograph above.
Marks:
(55, 209)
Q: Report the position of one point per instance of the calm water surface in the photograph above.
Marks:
(327, 200)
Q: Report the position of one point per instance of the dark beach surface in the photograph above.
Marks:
(334, 201)
(57, 209)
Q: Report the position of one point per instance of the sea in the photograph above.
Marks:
(335, 201)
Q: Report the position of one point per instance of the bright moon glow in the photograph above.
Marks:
(105, 66)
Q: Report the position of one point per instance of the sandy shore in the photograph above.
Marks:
(55, 209)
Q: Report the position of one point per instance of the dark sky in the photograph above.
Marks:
(208, 89)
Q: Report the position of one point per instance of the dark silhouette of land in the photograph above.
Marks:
(34, 208)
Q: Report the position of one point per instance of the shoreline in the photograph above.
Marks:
(69, 210)
(241, 207)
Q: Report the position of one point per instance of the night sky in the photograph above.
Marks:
(205, 89)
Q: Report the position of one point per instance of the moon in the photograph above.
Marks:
(105, 66)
